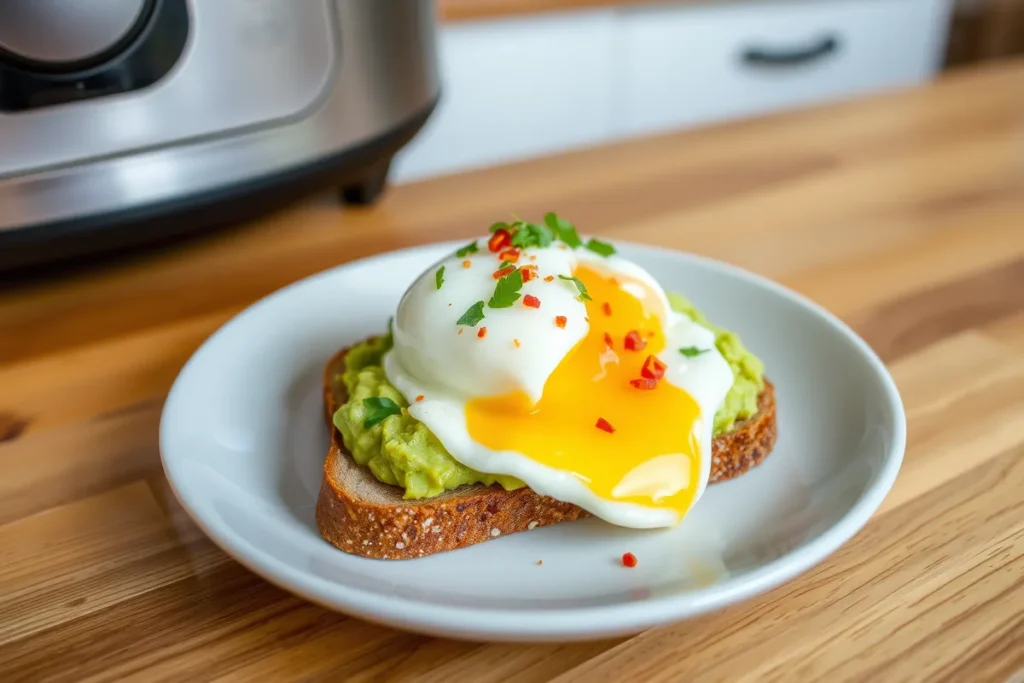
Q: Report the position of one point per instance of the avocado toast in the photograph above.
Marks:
(359, 513)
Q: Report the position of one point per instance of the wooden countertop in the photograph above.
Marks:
(903, 214)
(462, 10)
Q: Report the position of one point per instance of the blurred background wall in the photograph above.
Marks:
(524, 78)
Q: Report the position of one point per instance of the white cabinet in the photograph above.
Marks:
(517, 88)
(686, 65)
(526, 87)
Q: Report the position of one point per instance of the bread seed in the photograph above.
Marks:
(399, 545)
(427, 522)
(532, 525)
(436, 529)
(495, 532)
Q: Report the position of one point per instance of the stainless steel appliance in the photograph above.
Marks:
(123, 121)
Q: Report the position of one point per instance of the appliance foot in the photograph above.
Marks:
(368, 189)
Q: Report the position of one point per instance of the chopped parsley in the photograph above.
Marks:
(473, 315)
(505, 264)
(506, 292)
(531, 235)
(439, 277)
(579, 285)
(692, 351)
(501, 225)
(470, 248)
(599, 247)
(378, 408)
(563, 230)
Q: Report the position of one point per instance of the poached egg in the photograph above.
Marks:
(586, 386)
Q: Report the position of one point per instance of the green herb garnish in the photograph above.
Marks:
(691, 351)
(505, 264)
(579, 285)
(378, 408)
(470, 248)
(439, 277)
(500, 225)
(599, 247)
(473, 315)
(563, 229)
(506, 292)
(531, 235)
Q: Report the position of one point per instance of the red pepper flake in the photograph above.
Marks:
(531, 301)
(608, 340)
(653, 368)
(613, 281)
(643, 384)
(604, 425)
(460, 330)
(607, 308)
(634, 342)
(516, 342)
(511, 255)
(540, 562)
(419, 398)
(499, 240)
(528, 274)
(533, 257)
(498, 274)
(549, 278)
(482, 332)
(629, 560)
(561, 320)
(650, 334)
(467, 263)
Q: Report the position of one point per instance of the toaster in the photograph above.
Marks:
(128, 121)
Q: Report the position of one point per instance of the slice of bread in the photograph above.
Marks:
(358, 514)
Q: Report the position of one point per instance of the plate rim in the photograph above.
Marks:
(567, 624)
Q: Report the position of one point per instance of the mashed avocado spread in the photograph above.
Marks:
(400, 450)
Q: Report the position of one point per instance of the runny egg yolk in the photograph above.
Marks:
(653, 456)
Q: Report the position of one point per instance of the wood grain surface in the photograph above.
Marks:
(462, 10)
(903, 214)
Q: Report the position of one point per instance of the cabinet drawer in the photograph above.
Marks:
(516, 88)
(690, 64)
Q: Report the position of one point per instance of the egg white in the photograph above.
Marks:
(449, 370)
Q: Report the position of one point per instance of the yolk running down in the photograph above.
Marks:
(652, 458)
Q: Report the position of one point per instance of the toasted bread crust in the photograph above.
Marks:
(394, 528)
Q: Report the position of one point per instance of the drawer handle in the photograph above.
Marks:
(758, 56)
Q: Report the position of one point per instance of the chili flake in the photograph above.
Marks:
(549, 278)
(644, 384)
(634, 342)
(604, 425)
(653, 368)
(608, 340)
(560, 320)
(629, 560)
(507, 270)
(528, 274)
(531, 301)
(419, 398)
(511, 255)
(607, 308)
(499, 240)
(467, 263)
(482, 332)
(516, 342)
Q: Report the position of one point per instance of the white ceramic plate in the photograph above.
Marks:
(243, 441)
